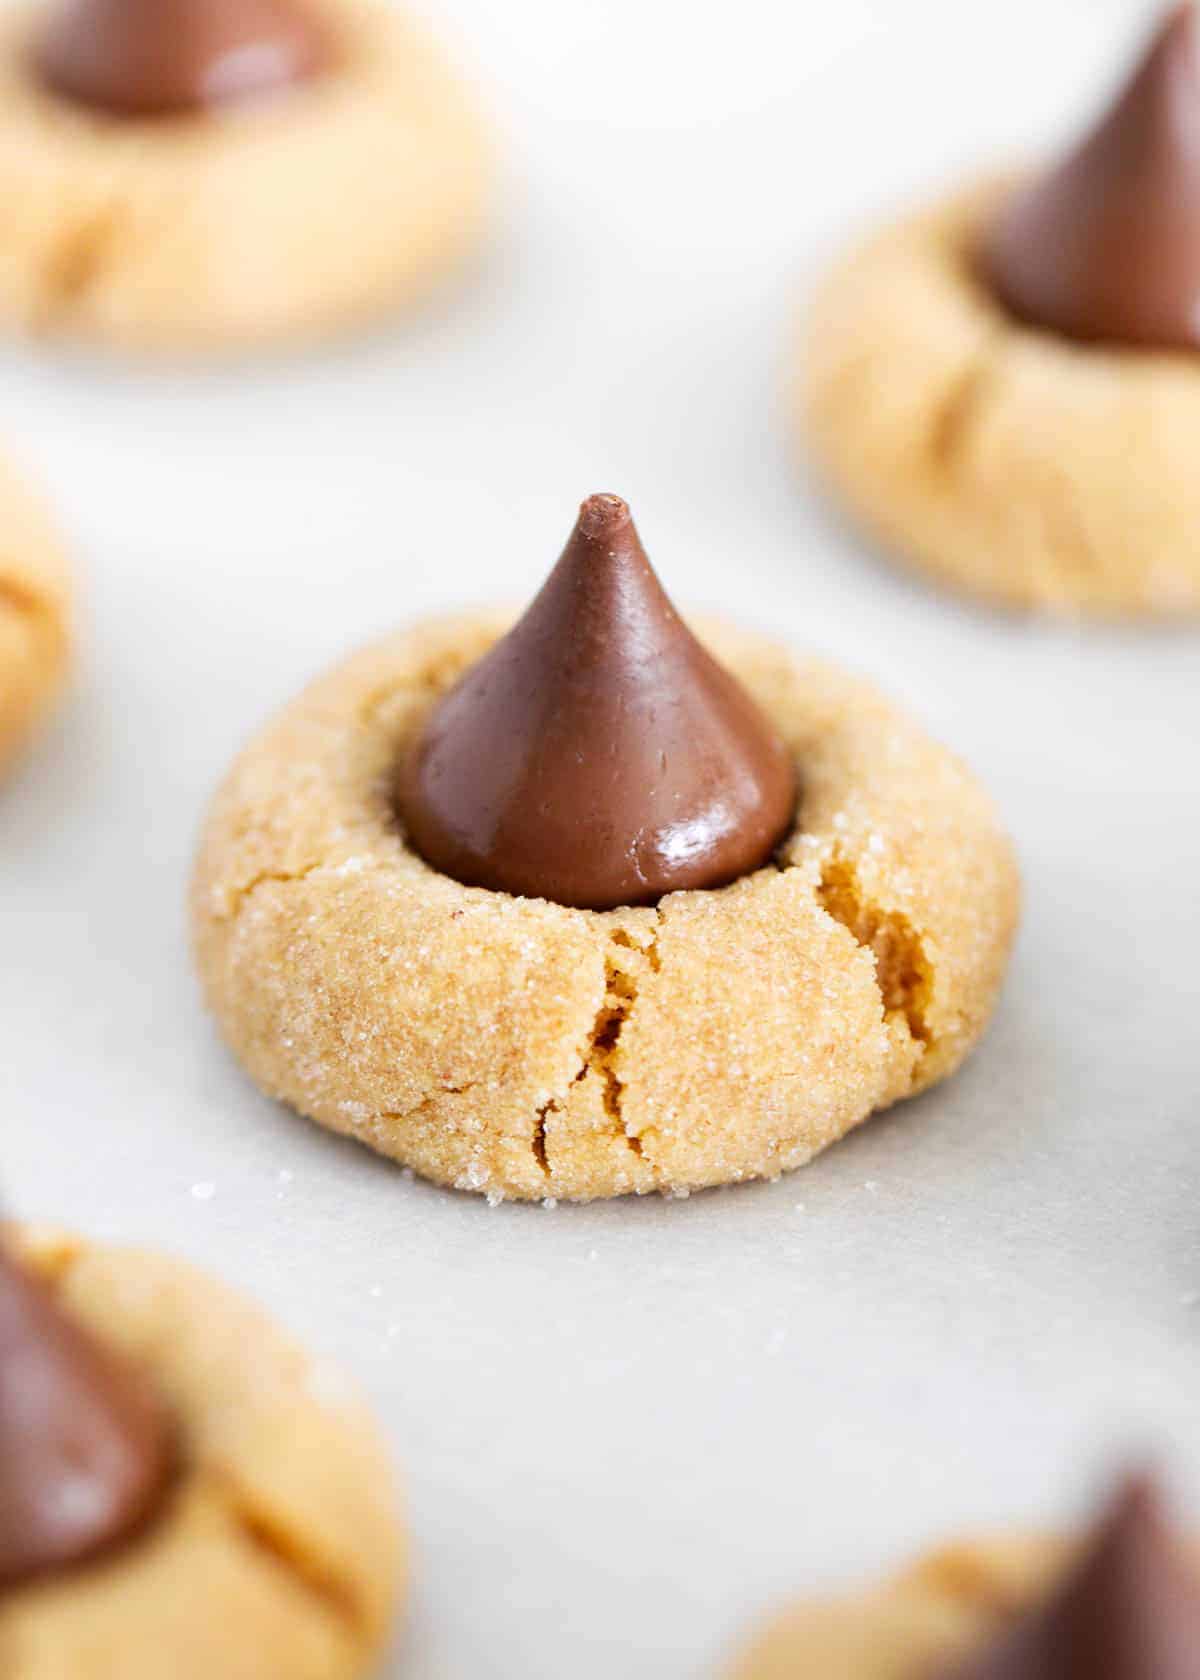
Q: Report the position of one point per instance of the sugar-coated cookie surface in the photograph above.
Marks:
(519, 1048)
(1002, 459)
(34, 611)
(278, 1556)
(342, 199)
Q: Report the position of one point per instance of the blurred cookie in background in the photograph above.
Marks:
(1122, 1602)
(192, 175)
(181, 1492)
(34, 615)
(1003, 387)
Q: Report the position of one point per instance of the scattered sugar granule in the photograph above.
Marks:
(375, 1291)
(495, 1198)
(549, 1201)
(204, 1191)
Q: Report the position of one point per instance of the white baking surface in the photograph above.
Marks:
(626, 1429)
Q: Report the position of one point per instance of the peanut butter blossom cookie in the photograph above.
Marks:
(34, 611)
(588, 904)
(195, 174)
(1004, 387)
(178, 1495)
(1124, 1604)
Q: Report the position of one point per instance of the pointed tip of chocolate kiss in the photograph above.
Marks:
(597, 755)
(157, 58)
(1129, 1609)
(603, 514)
(1171, 47)
(86, 1448)
(1137, 1498)
(1180, 19)
(1133, 1527)
(1104, 247)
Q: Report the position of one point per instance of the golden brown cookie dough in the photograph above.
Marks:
(515, 1047)
(33, 614)
(1004, 460)
(284, 219)
(950, 1605)
(278, 1557)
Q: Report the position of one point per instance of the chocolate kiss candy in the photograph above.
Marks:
(150, 58)
(1130, 1610)
(85, 1448)
(1107, 246)
(597, 756)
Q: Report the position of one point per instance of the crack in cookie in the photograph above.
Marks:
(622, 983)
(621, 987)
(271, 1538)
(539, 1134)
(34, 614)
(76, 264)
(422, 1108)
(229, 900)
(903, 971)
(961, 409)
(19, 599)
